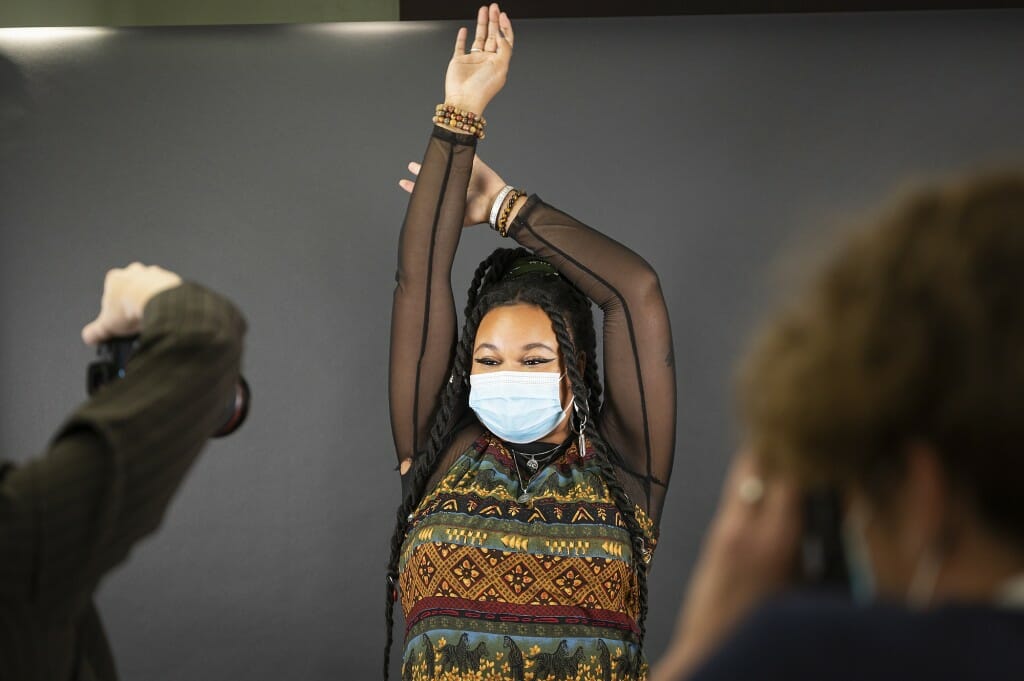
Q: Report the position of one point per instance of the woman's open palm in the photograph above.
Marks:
(475, 77)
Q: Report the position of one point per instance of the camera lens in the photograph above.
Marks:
(237, 409)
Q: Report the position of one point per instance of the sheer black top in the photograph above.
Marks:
(638, 414)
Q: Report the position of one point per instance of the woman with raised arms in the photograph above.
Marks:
(531, 493)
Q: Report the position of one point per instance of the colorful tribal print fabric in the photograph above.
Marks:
(494, 589)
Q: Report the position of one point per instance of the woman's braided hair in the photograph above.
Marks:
(573, 323)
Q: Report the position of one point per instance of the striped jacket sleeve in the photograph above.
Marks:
(105, 482)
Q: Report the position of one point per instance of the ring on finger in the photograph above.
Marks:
(751, 490)
(476, 49)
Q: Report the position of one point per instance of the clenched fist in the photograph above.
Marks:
(125, 294)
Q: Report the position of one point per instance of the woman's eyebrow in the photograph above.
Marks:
(534, 346)
(488, 346)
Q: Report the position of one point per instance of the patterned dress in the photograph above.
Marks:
(496, 589)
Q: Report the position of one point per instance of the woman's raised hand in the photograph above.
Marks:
(475, 77)
(484, 186)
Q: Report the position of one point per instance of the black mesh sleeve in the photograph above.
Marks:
(423, 318)
(638, 416)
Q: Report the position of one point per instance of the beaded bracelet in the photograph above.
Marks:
(467, 121)
(513, 196)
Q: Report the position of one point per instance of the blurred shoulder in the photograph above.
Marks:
(814, 636)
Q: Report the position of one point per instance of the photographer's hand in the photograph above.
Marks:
(749, 554)
(125, 294)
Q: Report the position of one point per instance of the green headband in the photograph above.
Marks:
(528, 265)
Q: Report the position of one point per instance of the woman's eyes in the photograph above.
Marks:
(530, 361)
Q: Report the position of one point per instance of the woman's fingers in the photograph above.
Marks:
(481, 28)
(409, 185)
(505, 34)
(460, 42)
(491, 44)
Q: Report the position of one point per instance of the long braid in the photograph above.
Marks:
(603, 458)
(453, 398)
(423, 465)
(588, 341)
(585, 331)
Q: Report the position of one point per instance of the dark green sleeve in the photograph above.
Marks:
(71, 515)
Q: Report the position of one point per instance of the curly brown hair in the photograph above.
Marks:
(913, 332)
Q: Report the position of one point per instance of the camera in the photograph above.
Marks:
(822, 556)
(111, 364)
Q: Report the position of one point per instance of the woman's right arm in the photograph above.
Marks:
(423, 319)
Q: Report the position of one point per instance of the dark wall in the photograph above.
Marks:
(535, 9)
(264, 162)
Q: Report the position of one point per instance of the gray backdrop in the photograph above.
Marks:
(264, 162)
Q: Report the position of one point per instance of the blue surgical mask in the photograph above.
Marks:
(518, 406)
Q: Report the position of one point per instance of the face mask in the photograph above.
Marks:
(518, 406)
(863, 586)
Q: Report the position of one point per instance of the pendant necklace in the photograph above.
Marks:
(531, 463)
(524, 497)
(531, 459)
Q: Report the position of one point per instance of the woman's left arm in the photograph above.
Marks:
(639, 412)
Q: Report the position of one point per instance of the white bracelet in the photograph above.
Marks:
(496, 207)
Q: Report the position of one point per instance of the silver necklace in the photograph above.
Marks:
(524, 497)
(532, 464)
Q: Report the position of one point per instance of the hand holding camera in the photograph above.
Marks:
(751, 551)
(115, 332)
(125, 294)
